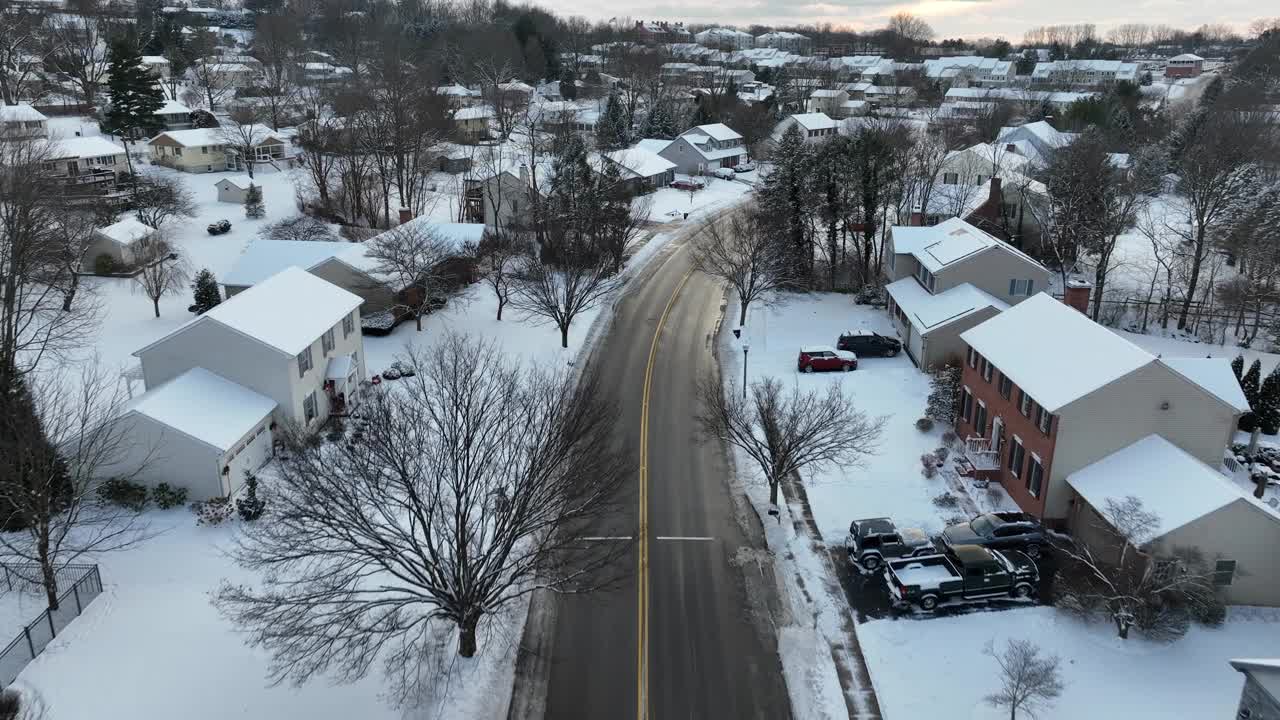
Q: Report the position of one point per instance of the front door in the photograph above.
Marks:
(997, 426)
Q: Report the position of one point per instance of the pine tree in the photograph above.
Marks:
(612, 132)
(27, 459)
(206, 292)
(253, 207)
(135, 97)
(250, 506)
(661, 122)
(944, 395)
(785, 198)
(1237, 367)
(1249, 383)
(568, 84)
(1268, 408)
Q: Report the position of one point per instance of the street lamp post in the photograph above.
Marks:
(745, 348)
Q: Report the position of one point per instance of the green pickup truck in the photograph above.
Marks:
(965, 572)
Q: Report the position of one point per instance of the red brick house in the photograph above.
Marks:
(1184, 66)
(1046, 391)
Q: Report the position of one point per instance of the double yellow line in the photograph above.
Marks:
(642, 576)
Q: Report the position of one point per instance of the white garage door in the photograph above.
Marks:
(915, 345)
(249, 458)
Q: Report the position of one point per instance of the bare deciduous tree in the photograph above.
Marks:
(244, 134)
(19, 49)
(786, 432)
(53, 497)
(299, 228)
(739, 250)
(410, 259)
(471, 489)
(1029, 681)
(498, 256)
(73, 232)
(162, 270)
(159, 198)
(559, 293)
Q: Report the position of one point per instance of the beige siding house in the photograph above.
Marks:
(206, 149)
(1195, 506)
(947, 278)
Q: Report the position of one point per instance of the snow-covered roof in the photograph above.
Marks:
(127, 231)
(937, 246)
(287, 311)
(938, 67)
(154, 60)
(196, 137)
(205, 406)
(1212, 374)
(457, 235)
(1265, 672)
(479, 112)
(22, 112)
(930, 311)
(172, 107)
(241, 181)
(1186, 57)
(457, 91)
(263, 258)
(653, 145)
(83, 147)
(1171, 484)
(1041, 130)
(1016, 94)
(814, 121)
(826, 93)
(1122, 70)
(515, 86)
(717, 131)
(641, 162)
(339, 367)
(1053, 351)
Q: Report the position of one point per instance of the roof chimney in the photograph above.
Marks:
(995, 195)
(917, 216)
(405, 215)
(1076, 294)
(524, 174)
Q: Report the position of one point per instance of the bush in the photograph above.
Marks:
(929, 465)
(950, 439)
(126, 494)
(924, 424)
(10, 704)
(104, 264)
(250, 506)
(942, 453)
(1211, 614)
(166, 496)
(946, 500)
(213, 511)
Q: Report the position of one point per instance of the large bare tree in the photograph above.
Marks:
(786, 432)
(162, 270)
(1029, 680)
(161, 197)
(470, 489)
(740, 250)
(411, 260)
(557, 293)
(498, 257)
(77, 46)
(20, 48)
(244, 134)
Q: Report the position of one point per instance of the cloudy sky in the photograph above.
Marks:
(950, 18)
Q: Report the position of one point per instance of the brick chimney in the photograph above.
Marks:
(1076, 294)
(405, 215)
(987, 215)
(917, 216)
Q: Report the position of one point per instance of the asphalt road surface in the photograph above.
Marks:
(680, 637)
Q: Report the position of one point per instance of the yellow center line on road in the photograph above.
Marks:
(642, 583)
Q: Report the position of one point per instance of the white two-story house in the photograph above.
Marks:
(947, 278)
(293, 338)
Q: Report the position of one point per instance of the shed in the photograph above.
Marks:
(122, 241)
(234, 189)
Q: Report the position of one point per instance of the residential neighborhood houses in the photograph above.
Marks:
(308, 308)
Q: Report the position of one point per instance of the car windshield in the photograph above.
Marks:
(983, 525)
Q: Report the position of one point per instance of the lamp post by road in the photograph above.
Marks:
(745, 348)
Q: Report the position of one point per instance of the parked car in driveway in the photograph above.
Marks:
(1000, 531)
(744, 167)
(965, 572)
(865, 343)
(825, 357)
(725, 173)
(872, 541)
(686, 185)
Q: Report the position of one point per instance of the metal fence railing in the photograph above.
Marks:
(79, 584)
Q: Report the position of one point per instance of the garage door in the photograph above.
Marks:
(250, 457)
(915, 345)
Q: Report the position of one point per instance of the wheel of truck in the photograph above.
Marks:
(1033, 551)
(929, 602)
(1022, 591)
(871, 562)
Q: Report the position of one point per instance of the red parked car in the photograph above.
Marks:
(690, 185)
(825, 357)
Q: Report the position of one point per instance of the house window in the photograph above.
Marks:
(981, 178)
(309, 407)
(1006, 386)
(1021, 287)
(304, 362)
(1035, 476)
(204, 149)
(892, 261)
(966, 404)
(1024, 404)
(1044, 420)
(348, 325)
(980, 419)
(1016, 457)
(973, 358)
(177, 152)
(987, 367)
(1224, 571)
(326, 341)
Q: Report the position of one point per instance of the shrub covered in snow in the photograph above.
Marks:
(943, 404)
(126, 494)
(213, 511)
(942, 454)
(250, 506)
(166, 496)
(946, 500)
(950, 439)
(929, 465)
(924, 424)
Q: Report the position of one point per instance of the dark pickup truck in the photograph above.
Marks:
(965, 572)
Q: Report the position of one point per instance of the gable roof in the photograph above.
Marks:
(213, 136)
(1264, 671)
(653, 145)
(205, 406)
(263, 258)
(1053, 351)
(1214, 375)
(241, 181)
(1172, 484)
(640, 162)
(126, 232)
(172, 107)
(937, 246)
(715, 131)
(285, 312)
(22, 112)
(83, 147)
(930, 311)
(814, 121)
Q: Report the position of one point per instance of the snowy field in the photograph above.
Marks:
(935, 667)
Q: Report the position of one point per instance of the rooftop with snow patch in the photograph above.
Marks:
(205, 406)
(937, 246)
(934, 311)
(263, 258)
(127, 231)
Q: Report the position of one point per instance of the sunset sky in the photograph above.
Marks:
(950, 18)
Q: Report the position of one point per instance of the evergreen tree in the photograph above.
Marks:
(568, 84)
(135, 97)
(785, 198)
(27, 459)
(206, 292)
(612, 132)
(1267, 410)
(1249, 383)
(1237, 367)
(661, 122)
(943, 404)
(253, 207)
(250, 507)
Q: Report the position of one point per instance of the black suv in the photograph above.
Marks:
(999, 531)
(865, 343)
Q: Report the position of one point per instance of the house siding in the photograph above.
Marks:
(1129, 409)
(1242, 532)
(1257, 701)
(686, 157)
(313, 380)
(991, 271)
(155, 454)
(377, 296)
